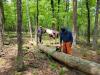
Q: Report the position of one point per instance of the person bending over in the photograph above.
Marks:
(66, 40)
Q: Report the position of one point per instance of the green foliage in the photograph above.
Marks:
(45, 14)
(62, 72)
(53, 66)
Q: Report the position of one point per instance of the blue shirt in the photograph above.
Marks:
(66, 36)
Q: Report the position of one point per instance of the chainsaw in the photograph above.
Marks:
(58, 48)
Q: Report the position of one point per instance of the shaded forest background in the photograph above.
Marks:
(55, 13)
(62, 16)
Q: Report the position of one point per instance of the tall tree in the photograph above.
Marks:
(1, 25)
(52, 7)
(3, 17)
(74, 21)
(36, 32)
(67, 5)
(67, 9)
(58, 5)
(88, 20)
(58, 18)
(96, 25)
(28, 19)
(19, 35)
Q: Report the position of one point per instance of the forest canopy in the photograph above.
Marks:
(63, 17)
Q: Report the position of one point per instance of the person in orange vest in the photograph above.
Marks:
(66, 40)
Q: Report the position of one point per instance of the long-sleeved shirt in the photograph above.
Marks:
(40, 31)
(66, 36)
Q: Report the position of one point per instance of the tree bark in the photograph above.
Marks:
(19, 35)
(1, 25)
(52, 7)
(36, 33)
(96, 25)
(58, 5)
(28, 19)
(89, 67)
(58, 18)
(88, 20)
(3, 21)
(74, 22)
(67, 9)
(67, 5)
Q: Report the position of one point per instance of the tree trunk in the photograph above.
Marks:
(67, 9)
(58, 5)
(36, 34)
(67, 5)
(81, 13)
(58, 18)
(52, 7)
(3, 21)
(19, 35)
(28, 19)
(96, 25)
(1, 25)
(88, 20)
(89, 67)
(74, 22)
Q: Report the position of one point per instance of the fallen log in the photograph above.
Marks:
(89, 67)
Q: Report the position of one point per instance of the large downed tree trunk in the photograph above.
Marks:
(86, 66)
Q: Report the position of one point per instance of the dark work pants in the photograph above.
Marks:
(40, 38)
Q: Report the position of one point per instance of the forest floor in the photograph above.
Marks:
(38, 63)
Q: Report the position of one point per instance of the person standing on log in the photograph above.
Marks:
(66, 40)
(40, 33)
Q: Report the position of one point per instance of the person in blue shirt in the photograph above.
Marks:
(66, 40)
